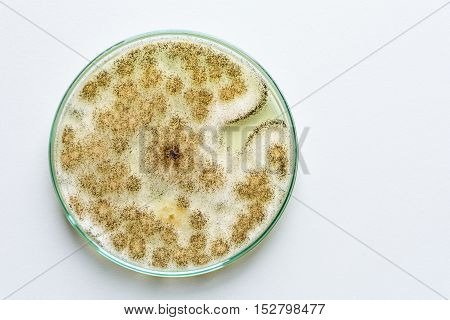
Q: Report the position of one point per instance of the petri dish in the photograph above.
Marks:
(248, 127)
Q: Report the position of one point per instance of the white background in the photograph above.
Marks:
(377, 151)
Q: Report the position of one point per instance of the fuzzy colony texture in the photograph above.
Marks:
(140, 183)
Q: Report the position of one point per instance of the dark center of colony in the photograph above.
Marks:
(173, 152)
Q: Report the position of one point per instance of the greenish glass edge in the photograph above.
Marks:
(126, 264)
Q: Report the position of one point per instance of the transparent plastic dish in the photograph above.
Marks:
(104, 57)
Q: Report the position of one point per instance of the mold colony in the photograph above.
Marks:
(142, 159)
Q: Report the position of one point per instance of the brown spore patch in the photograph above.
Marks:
(200, 259)
(103, 79)
(161, 257)
(190, 56)
(278, 159)
(112, 175)
(158, 104)
(124, 119)
(246, 222)
(68, 135)
(186, 185)
(133, 184)
(120, 241)
(137, 248)
(76, 205)
(125, 66)
(233, 70)
(182, 203)
(257, 212)
(89, 91)
(181, 256)
(241, 228)
(212, 177)
(199, 75)
(216, 65)
(93, 87)
(169, 236)
(148, 55)
(197, 220)
(71, 155)
(236, 88)
(199, 101)
(219, 248)
(105, 214)
(255, 187)
(151, 77)
(140, 223)
(95, 148)
(174, 85)
(108, 178)
(126, 91)
(198, 241)
(119, 144)
(88, 182)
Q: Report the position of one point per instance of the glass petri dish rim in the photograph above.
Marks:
(94, 244)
